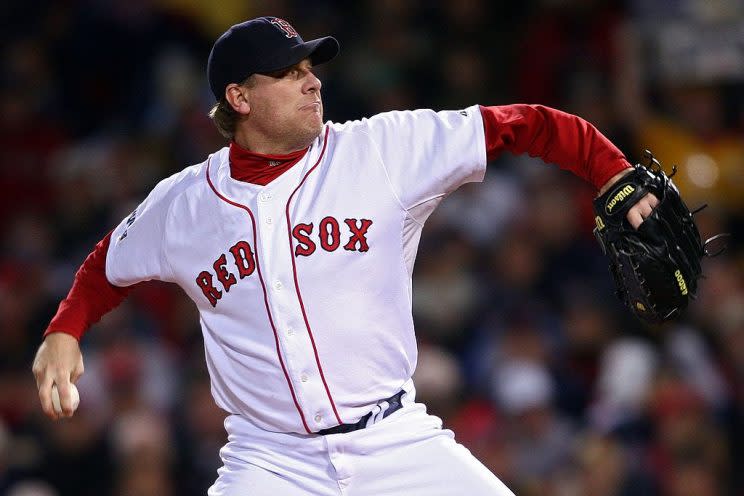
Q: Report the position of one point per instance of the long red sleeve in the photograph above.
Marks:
(557, 137)
(91, 295)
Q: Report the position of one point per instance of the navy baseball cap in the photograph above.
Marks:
(261, 45)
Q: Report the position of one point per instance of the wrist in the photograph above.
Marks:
(60, 335)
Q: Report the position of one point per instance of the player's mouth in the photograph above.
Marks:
(315, 106)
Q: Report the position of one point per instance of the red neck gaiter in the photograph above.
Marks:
(256, 168)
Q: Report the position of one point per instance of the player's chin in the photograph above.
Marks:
(314, 123)
(307, 132)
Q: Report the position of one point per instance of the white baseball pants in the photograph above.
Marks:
(407, 453)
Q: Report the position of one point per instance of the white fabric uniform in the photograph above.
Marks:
(304, 289)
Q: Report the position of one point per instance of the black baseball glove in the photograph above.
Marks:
(656, 267)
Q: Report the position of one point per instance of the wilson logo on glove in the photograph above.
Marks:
(619, 197)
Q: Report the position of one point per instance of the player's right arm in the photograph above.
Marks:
(131, 253)
(59, 360)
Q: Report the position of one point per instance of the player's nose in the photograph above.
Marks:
(312, 83)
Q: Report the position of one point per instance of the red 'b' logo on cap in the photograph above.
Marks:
(289, 31)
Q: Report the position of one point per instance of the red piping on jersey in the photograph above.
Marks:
(297, 285)
(266, 299)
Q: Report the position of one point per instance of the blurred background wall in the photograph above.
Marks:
(524, 350)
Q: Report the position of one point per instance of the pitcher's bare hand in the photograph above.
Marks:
(58, 361)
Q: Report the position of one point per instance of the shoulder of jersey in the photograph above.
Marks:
(173, 186)
(382, 120)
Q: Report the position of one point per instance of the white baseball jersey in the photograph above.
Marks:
(304, 285)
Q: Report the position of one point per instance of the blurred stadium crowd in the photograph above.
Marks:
(524, 350)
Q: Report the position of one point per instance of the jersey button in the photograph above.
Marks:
(290, 331)
(318, 418)
(303, 377)
(264, 197)
(278, 285)
(269, 220)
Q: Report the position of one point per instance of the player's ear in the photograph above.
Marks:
(238, 98)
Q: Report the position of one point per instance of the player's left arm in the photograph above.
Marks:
(564, 139)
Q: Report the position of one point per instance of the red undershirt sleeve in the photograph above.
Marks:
(91, 296)
(557, 137)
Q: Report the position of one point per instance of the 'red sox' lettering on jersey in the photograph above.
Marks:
(243, 263)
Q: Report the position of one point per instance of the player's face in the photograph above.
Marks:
(285, 106)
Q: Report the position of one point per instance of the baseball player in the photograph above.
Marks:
(297, 243)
